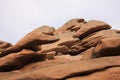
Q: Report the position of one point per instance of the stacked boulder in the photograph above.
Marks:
(79, 50)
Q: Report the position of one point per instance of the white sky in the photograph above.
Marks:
(18, 17)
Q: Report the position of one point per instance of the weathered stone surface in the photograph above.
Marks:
(47, 63)
(107, 47)
(69, 57)
(82, 28)
(38, 36)
(87, 54)
(79, 50)
(91, 27)
(93, 39)
(72, 25)
(32, 67)
(66, 41)
(107, 74)
(19, 59)
(70, 69)
(4, 45)
(50, 55)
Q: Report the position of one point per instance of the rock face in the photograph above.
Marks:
(4, 45)
(37, 37)
(79, 50)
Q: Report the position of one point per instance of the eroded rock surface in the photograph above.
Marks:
(4, 45)
(78, 50)
(38, 36)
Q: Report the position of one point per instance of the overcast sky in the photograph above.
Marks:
(18, 17)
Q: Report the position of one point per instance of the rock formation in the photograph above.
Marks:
(78, 50)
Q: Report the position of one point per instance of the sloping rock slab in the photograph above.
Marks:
(64, 71)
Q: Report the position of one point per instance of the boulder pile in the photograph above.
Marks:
(78, 50)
